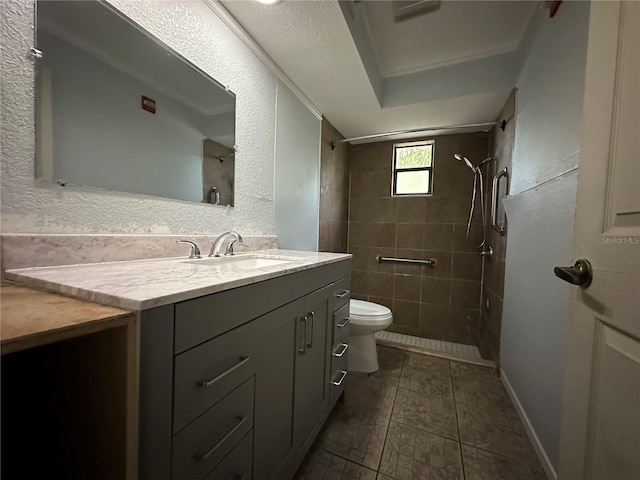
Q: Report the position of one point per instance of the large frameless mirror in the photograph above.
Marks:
(119, 110)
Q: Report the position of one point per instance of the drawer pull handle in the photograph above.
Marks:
(342, 293)
(204, 456)
(311, 317)
(208, 383)
(337, 383)
(344, 346)
(344, 324)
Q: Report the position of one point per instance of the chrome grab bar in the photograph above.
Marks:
(494, 199)
(344, 346)
(208, 383)
(204, 456)
(431, 261)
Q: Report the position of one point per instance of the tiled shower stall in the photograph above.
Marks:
(358, 214)
(442, 301)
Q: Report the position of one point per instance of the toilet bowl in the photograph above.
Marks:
(366, 318)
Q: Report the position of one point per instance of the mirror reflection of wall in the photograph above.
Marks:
(218, 171)
(118, 110)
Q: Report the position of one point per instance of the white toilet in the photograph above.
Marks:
(366, 319)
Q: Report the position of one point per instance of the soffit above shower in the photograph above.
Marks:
(457, 65)
(457, 31)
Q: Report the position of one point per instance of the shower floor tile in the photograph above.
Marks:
(422, 417)
(447, 350)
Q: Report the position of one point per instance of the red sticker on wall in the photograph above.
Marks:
(149, 104)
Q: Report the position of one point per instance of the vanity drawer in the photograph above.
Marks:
(342, 293)
(202, 444)
(200, 319)
(341, 325)
(205, 374)
(238, 464)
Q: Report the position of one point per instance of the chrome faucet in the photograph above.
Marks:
(217, 245)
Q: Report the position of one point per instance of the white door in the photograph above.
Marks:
(601, 406)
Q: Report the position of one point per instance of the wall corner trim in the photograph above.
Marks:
(257, 50)
(528, 427)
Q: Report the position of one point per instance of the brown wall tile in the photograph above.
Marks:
(383, 235)
(384, 267)
(465, 293)
(419, 228)
(442, 269)
(462, 243)
(360, 259)
(409, 268)
(380, 284)
(410, 235)
(370, 184)
(411, 209)
(438, 237)
(464, 323)
(436, 291)
(359, 234)
(434, 321)
(382, 210)
(334, 191)
(466, 266)
(406, 313)
(491, 319)
(407, 287)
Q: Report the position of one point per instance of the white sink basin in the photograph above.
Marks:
(243, 262)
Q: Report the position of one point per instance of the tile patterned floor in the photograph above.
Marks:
(422, 418)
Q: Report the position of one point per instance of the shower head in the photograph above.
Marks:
(464, 159)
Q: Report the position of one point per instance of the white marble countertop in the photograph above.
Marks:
(144, 284)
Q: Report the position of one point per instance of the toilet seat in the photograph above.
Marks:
(368, 313)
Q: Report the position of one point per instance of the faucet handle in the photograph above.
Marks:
(229, 250)
(195, 251)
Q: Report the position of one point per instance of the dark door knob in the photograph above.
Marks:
(580, 274)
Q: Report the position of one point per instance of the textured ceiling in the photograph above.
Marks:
(325, 49)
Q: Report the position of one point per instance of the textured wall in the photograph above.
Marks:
(540, 211)
(493, 274)
(334, 191)
(193, 30)
(441, 302)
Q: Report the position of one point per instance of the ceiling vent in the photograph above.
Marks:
(405, 9)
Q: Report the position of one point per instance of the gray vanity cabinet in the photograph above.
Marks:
(237, 384)
(311, 392)
(273, 432)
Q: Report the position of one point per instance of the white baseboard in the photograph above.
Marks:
(531, 433)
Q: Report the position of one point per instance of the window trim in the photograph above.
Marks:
(394, 170)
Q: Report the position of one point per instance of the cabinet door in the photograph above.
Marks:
(311, 397)
(273, 419)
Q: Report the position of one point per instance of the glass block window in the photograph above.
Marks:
(413, 168)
